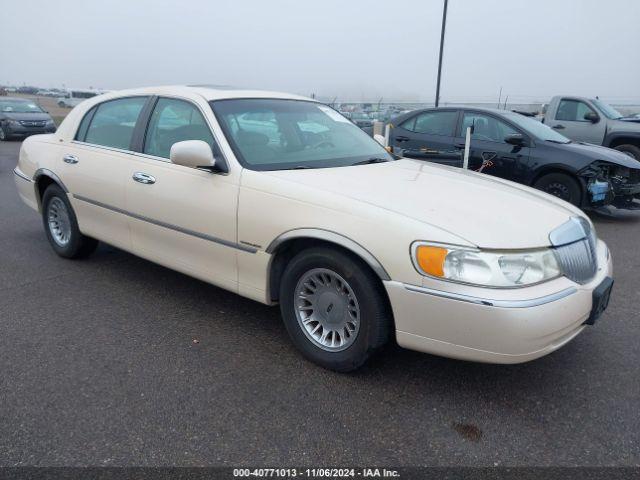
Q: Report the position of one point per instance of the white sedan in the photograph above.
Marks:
(283, 200)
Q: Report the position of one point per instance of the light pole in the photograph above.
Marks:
(444, 23)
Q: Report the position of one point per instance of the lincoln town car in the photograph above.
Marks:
(282, 200)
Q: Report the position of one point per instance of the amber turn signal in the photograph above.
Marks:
(431, 259)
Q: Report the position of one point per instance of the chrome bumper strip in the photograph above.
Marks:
(533, 302)
(203, 236)
(21, 175)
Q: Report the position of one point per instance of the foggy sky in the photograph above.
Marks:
(353, 49)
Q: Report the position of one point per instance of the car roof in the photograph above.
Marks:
(209, 92)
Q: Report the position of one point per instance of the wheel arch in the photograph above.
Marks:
(546, 170)
(616, 139)
(287, 245)
(43, 178)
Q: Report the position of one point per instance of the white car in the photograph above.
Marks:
(283, 200)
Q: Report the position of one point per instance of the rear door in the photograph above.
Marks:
(488, 147)
(94, 165)
(428, 135)
(569, 121)
(181, 217)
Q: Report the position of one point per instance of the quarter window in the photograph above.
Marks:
(114, 121)
(573, 111)
(175, 121)
(432, 123)
(486, 128)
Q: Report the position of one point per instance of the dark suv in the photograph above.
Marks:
(20, 117)
(520, 148)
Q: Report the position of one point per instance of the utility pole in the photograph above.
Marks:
(444, 23)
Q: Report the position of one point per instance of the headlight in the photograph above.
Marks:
(485, 268)
(15, 123)
(50, 123)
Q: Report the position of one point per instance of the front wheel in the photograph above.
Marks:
(562, 186)
(334, 308)
(61, 225)
(3, 135)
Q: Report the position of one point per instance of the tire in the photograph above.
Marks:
(562, 186)
(61, 225)
(62, 104)
(630, 150)
(4, 137)
(352, 302)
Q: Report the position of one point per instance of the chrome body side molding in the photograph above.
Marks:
(533, 302)
(176, 228)
(19, 174)
(333, 237)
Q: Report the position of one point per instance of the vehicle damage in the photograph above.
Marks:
(611, 184)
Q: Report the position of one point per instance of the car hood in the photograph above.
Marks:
(482, 210)
(596, 152)
(26, 116)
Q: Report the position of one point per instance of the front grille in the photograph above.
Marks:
(575, 250)
(33, 123)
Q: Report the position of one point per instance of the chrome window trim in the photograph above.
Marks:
(169, 226)
(153, 157)
(534, 302)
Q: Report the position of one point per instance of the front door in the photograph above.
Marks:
(488, 152)
(571, 123)
(182, 217)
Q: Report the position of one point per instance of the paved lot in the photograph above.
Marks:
(100, 366)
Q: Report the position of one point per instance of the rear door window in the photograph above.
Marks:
(432, 123)
(113, 123)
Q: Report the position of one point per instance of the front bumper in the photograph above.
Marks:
(501, 326)
(22, 131)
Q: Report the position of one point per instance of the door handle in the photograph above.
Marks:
(459, 145)
(402, 138)
(72, 159)
(558, 127)
(145, 178)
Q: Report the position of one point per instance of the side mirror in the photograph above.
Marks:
(379, 138)
(192, 153)
(592, 117)
(516, 139)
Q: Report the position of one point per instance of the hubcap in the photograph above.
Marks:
(59, 222)
(327, 309)
(559, 190)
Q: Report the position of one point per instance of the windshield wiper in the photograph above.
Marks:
(371, 160)
(558, 142)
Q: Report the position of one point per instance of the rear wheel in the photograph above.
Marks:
(61, 225)
(562, 186)
(630, 150)
(3, 135)
(334, 308)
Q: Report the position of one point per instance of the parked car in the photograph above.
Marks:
(361, 119)
(20, 117)
(519, 148)
(594, 121)
(73, 97)
(314, 215)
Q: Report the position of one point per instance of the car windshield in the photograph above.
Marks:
(19, 106)
(536, 128)
(279, 134)
(607, 109)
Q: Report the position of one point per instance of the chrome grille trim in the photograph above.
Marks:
(577, 261)
(575, 249)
